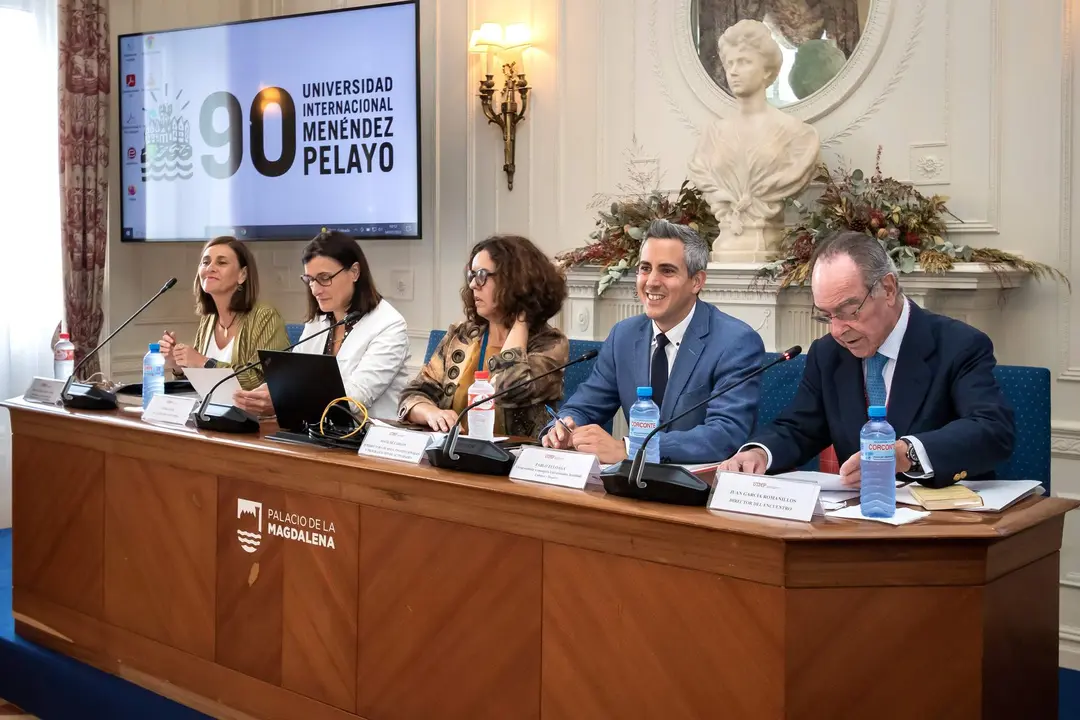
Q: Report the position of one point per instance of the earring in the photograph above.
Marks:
(239, 287)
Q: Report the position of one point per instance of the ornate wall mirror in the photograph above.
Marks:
(828, 47)
(816, 37)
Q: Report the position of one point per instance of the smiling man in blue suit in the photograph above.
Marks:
(935, 375)
(683, 349)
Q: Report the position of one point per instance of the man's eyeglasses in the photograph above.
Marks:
(323, 279)
(844, 316)
(480, 277)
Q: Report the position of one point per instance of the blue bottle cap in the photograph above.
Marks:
(155, 347)
(644, 391)
(877, 411)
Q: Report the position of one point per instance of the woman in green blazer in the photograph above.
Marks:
(233, 324)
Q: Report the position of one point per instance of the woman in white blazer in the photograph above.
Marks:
(372, 352)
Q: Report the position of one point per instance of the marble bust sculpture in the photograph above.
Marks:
(748, 163)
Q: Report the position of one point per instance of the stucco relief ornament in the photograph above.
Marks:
(747, 164)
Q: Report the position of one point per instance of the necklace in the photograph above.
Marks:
(225, 328)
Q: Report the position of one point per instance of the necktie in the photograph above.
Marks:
(875, 379)
(659, 374)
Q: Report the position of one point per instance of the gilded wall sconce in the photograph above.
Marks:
(506, 49)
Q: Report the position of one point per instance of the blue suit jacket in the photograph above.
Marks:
(943, 392)
(716, 351)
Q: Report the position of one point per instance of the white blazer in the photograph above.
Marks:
(371, 360)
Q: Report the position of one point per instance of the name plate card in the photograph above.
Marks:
(768, 496)
(44, 390)
(170, 409)
(391, 443)
(556, 467)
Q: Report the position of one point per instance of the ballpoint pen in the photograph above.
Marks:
(555, 417)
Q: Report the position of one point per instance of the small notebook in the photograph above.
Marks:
(954, 497)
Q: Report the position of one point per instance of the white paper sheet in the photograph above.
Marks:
(903, 516)
(827, 481)
(203, 379)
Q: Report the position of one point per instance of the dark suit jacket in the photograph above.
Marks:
(943, 392)
(716, 351)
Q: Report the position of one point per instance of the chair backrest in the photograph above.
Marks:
(433, 341)
(294, 331)
(1027, 390)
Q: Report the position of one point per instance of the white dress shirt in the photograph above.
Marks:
(890, 349)
(371, 360)
(675, 337)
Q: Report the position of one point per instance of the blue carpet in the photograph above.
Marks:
(55, 687)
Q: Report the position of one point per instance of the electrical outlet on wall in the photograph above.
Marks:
(401, 285)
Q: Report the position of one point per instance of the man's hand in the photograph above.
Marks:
(851, 470)
(560, 436)
(752, 460)
(594, 439)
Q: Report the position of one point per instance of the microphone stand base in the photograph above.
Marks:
(669, 484)
(82, 396)
(226, 419)
(481, 457)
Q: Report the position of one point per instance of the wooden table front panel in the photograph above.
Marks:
(58, 517)
(449, 620)
(629, 639)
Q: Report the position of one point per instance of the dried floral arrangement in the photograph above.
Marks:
(911, 226)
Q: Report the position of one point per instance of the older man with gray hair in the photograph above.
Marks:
(681, 347)
(934, 374)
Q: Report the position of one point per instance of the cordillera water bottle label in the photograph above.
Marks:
(872, 451)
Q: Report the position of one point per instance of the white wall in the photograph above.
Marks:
(987, 85)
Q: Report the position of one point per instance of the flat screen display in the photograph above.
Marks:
(273, 129)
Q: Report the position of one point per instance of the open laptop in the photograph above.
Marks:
(301, 386)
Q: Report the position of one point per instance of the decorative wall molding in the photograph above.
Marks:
(1069, 647)
(809, 109)
(1065, 440)
(1065, 239)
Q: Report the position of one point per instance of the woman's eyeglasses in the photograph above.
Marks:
(480, 277)
(323, 279)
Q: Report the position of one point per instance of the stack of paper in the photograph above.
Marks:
(996, 494)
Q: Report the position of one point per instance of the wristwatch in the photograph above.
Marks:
(913, 458)
(210, 363)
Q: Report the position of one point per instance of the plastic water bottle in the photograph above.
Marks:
(644, 417)
(877, 445)
(482, 417)
(153, 374)
(63, 357)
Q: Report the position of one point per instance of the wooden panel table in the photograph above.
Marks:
(249, 578)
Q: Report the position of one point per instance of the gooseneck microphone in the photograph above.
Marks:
(86, 396)
(231, 419)
(671, 484)
(484, 457)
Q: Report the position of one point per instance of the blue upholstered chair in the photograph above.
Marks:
(294, 331)
(1027, 389)
(778, 386)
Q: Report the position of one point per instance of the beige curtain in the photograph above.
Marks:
(84, 160)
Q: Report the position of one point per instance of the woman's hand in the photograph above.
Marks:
(257, 401)
(166, 345)
(187, 356)
(439, 420)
